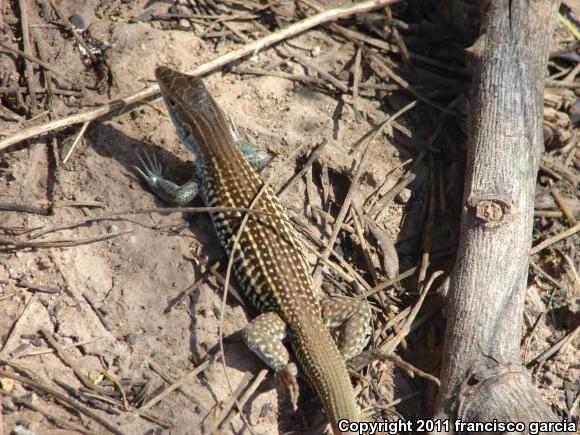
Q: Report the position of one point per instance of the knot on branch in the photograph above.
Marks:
(491, 211)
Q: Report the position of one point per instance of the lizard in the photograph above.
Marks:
(269, 265)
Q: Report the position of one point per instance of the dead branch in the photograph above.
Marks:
(246, 50)
(482, 374)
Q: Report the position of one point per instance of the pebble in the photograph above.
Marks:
(403, 196)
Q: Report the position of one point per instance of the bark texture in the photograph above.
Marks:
(482, 375)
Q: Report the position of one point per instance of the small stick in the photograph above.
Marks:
(572, 271)
(548, 213)
(163, 375)
(550, 172)
(430, 221)
(547, 276)
(21, 319)
(398, 39)
(562, 203)
(296, 77)
(27, 48)
(67, 153)
(183, 295)
(247, 394)
(24, 208)
(8, 90)
(58, 243)
(67, 359)
(562, 171)
(356, 78)
(54, 166)
(97, 312)
(37, 61)
(313, 156)
(73, 32)
(248, 49)
(61, 398)
(177, 384)
(311, 190)
(11, 115)
(345, 206)
(64, 424)
(36, 287)
(363, 245)
(70, 346)
(229, 404)
(378, 64)
(550, 241)
(559, 345)
(115, 215)
(386, 199)
(325, 181)
(305, 79)
(411, 369)
(310, 65)
(390, 282)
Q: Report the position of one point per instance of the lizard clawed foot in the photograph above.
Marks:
(287, 377)
(151, 170)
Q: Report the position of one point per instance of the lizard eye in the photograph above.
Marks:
(171, 102)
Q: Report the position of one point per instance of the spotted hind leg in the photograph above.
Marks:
(264, 336)
(349, 321)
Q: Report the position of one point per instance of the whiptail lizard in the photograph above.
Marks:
(269, 264)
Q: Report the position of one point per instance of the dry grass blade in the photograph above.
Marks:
(550, 241)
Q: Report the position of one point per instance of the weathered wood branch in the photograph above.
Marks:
(482, 375)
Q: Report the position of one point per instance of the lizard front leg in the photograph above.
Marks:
(152, 171)
(167, 191)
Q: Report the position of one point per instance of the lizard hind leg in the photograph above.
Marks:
(265, 336)
(349, 321)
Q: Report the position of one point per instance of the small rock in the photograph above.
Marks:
(44, 263)
(184, 23)
(266, 409)
(7, 405)
(315, 51)
(21, 430)
(403, 196)
(131, 338)
(548, 378)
